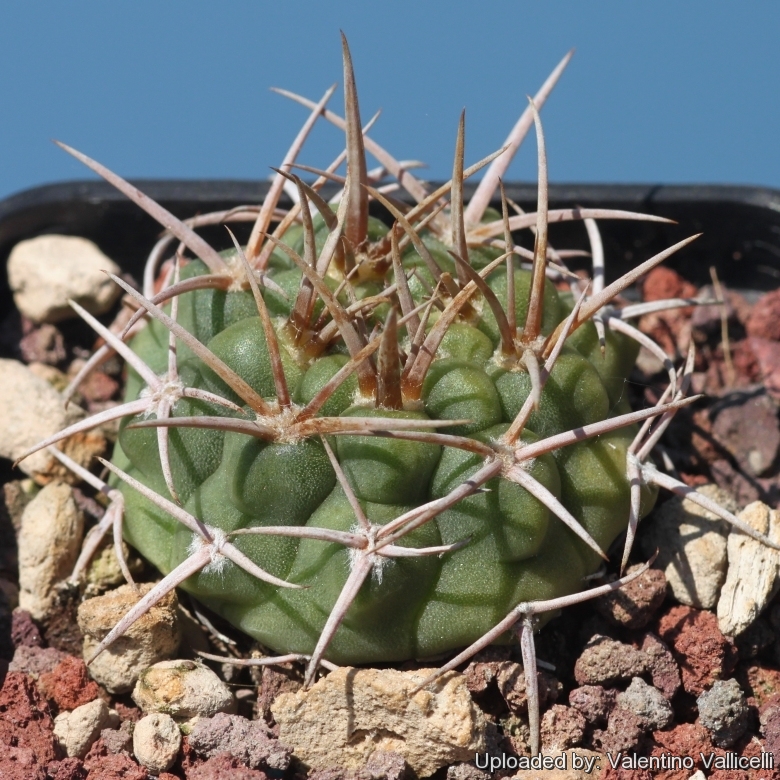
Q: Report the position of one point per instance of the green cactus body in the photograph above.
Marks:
(514, 549)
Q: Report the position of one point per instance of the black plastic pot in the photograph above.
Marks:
(741, 225)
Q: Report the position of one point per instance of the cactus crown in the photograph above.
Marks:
(361, 443)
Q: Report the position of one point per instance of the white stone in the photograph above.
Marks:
(691, 544)
(45, 272)
(49, 543)
(78, 729)
(156, 742)
(153, 637)
(351, 713)
(32, 410)
(751, 581)
(183, 689)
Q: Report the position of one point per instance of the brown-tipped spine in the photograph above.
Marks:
(356, 226)
(388, 391)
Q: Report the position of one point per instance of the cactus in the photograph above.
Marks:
(362, 442)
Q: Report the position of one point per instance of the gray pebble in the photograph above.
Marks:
(647, 703)
(723, 710)
(250, 742)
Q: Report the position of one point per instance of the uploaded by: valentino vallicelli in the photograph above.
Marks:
(592, 762)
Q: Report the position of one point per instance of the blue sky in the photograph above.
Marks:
(656, 92)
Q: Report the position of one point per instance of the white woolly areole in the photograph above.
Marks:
(169, 390)
(218, 561)
(378, 561)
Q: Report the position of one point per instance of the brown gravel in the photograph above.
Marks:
(634, 605)
(664, 671)
(605, 660)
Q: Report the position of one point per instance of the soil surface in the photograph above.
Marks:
(628, 675)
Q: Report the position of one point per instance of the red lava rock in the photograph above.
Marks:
(605, 660)
(25, 724)
(594, 702)
(98, 387)
(42, 343)
(730, 774)
(222, 767)
(35, 661)
(624, 733)
(754, 749)
(562, 728)
(24, 632)
(481, 675)
(767, 355)
(670, 328)
(663, 282)
(633, 605)
(102, 765)
(685, 739)
(663, 668)
(704, 654)
(20, 763)
(745, 423)
(67, 769)
(764, 319)
(68, 684)
(187, 758)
